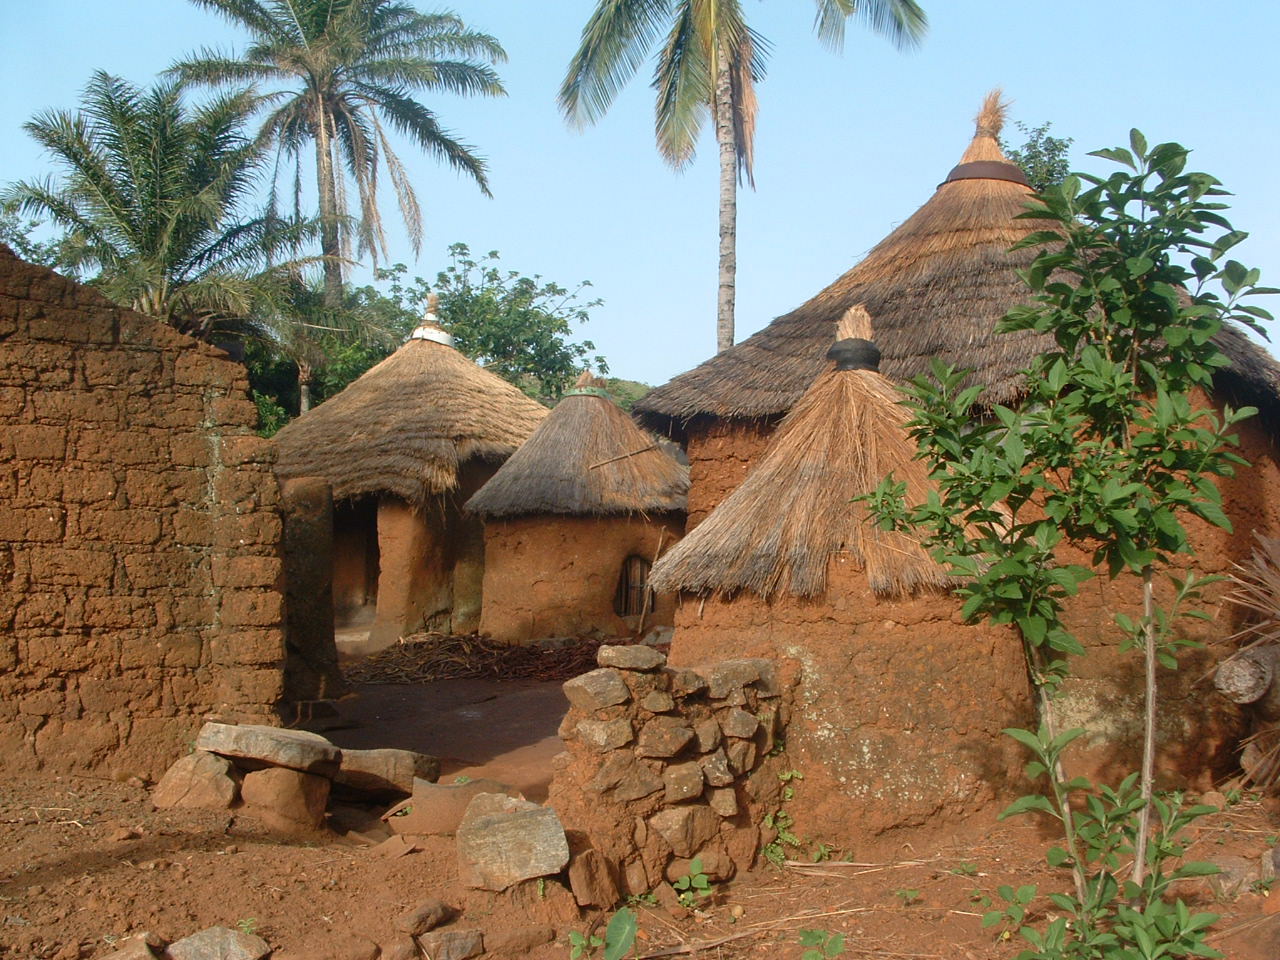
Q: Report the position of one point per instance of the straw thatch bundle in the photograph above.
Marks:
(776, 532)
(407, 424)
(936, 286)
(586, 459)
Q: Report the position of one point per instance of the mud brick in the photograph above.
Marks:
(43, 524)
(259, 527)
(252, 608)
(119, 526)
(246, 571)
(35, 442)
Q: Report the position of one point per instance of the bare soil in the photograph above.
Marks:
(85, 862)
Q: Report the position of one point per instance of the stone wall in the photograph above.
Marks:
(663, 765)
(139, 538)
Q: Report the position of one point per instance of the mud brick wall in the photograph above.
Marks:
(666, 764)
(139, 538)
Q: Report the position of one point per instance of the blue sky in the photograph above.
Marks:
(847, 147)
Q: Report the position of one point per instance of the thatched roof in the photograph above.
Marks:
(586, 459)
(407, 424)
(777, 531)
(934, 287)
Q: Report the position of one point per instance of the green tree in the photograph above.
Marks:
(345, 71)
(1043, 158)
(1110, 454)
(150, 204)
(708, 63)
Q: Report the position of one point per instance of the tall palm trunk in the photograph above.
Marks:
(728, 203)
(327, 190)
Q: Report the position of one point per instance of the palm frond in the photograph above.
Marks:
(903, 21)
(615, 41)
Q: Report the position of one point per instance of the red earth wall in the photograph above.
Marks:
(556, 576)
(1199, 731)
(896, 706)
(139, 537)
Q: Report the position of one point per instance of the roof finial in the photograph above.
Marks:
(855, 322)
(990, 118)
(433, 304)
(429, 328)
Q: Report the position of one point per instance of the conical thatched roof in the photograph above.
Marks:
(406, 425)
(935, 287)
(776, 532)
(586, 459)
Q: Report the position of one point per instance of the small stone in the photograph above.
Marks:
(1271, 905)
(295, 749)
(452, 944)
(400, 948)
(1234, 876)
(122, 835)
(683, 781)
(350, 946)
(742, 756)
(658, 702)
(685, 682)
(296, 797)
(716, 769)
(596, 690)
(723, 801)
(605, 735)
(1214, 799)
(218, 943)
(518, 941)
(436, 809)
(685, 828)
(707, 733)
(427, 915)
(385, 772)
(137, 947)
(502, 841)
(630, 657)
(736, 722)
(663, 737)
(1275, 860)
(200, 780)
(715, 863)
(769, 725)
(590, 880)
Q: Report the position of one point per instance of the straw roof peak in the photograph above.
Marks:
(991, 117)
(588, 380)
(855, 322)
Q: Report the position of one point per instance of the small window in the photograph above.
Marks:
(633, 596)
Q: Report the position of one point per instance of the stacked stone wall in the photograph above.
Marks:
(139, 536)
(663, 765)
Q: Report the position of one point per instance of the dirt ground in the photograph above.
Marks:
(84, 863)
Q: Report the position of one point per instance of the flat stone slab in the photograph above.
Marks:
(385, 772)
(630, 657)
(436, 809)
(272, 746)
(452, 944)
(219, 943)
(597, 689)
(503, 840)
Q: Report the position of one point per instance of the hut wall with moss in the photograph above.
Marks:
(936, 287)
(403, 447)
(573, 522)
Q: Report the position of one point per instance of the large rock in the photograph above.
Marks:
(289, 797)
(626, 777)
(728, 676)
(590, 880)
(386, 772)
(271, 746)
(452, 944)
(436, 809)
(427, 915)
(503, 840)
(683, 781)
(630, 657)
(199, 780)
(605, 735)
(218, 943)
(663, 737)
(596, 690)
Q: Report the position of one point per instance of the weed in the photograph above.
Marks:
(965, 869)
(693, 885)
(247, 925)
(619, 937)
(1262, 886)
(542, 888)
(821, 851)
(822, 944)
(775, 850)
(907, 896)
(642, 900)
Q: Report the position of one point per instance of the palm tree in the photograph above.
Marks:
(150, 204)
(351, 69)
(708, 64)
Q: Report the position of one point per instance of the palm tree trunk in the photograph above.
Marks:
(327, 190)
(728, 204)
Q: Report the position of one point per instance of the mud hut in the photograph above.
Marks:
(403, 447)
(896, 706)
(935, 287)
(573, 522)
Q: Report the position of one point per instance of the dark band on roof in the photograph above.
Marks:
(987, 170)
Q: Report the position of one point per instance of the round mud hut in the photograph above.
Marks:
(896, 705)
(936, 287)
(403, 447)
(573, 522)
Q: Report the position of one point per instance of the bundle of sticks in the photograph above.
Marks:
(1252, 677)
(425, 657)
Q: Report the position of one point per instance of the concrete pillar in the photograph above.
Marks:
(311, 656)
